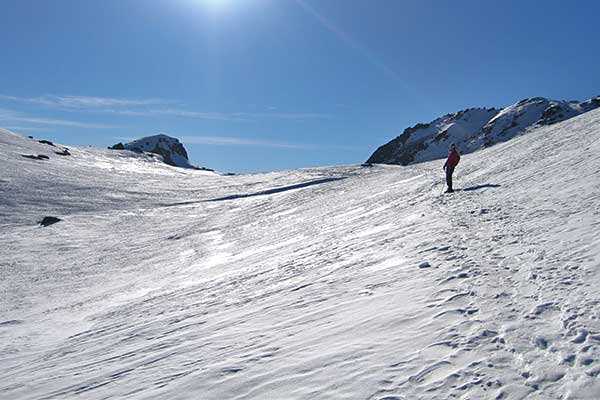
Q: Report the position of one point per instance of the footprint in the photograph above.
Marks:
(541, 308)
(581, 336)
(540, 342)
(422, 375)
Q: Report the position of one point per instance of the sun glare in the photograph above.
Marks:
(215, 4)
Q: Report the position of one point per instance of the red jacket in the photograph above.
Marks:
(453, 159)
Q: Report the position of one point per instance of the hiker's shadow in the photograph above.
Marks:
(479, 187)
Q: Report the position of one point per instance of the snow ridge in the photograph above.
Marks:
(476, 128)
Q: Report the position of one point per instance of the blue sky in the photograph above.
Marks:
(258, 85)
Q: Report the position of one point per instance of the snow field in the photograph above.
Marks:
(339, 282)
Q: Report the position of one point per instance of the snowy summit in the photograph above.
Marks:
(475, 128)
(169, 148)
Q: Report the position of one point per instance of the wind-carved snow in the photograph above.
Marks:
(300, 285)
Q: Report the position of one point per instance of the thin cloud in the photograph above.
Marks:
(235, 141)
(240, 116)
(148, 108)
(23, 128)
(195, 114)
(84, 102)
(13, 117)
(238, 141)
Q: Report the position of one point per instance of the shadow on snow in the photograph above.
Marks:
(261, 193)
(279, 189)
(478, 187)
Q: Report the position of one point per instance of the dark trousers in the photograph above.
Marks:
(449, 172)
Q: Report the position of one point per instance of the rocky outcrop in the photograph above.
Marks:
(47, 221)
(118, 146)
(476, 128)
(64, 152)
(424, 142)
(35, 156)
(169, 148)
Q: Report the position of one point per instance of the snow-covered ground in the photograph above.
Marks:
(326, 283)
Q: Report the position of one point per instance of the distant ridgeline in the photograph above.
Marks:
(169, 148)
(476, 128)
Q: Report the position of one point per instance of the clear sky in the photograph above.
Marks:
(258, 85)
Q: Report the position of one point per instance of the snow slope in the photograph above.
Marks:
(325, 283)
(475, 128)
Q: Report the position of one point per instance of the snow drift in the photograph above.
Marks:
(476, 128)
(328, 283)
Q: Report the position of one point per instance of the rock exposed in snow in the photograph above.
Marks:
(47, 221)
(169, 148)
(64, 152)
(36, 157)
(476, 128)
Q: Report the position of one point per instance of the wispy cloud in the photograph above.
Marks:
(236, 141)
(226, 141)
(22, 128)
(151, 108)
(219, 116)
(16, 117)
(239, 141)
(84, 102)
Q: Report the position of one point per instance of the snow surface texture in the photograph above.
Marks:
(325, 283)
(476, 128)
(169, 148)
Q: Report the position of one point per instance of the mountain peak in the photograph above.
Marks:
(475, 128)
(169, 148)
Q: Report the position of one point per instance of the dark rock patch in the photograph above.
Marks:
(118, 146)
(203, 169)
(65, 152)
(49, 143)
(441, 136)
(35, 157)
(47, 221)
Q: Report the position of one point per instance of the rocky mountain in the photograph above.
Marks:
(476, 128)
(169, 148)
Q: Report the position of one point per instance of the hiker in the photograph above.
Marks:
(450, 164)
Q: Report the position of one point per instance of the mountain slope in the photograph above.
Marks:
(345, 282)
(476, 128)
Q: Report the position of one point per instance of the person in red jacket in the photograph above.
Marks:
(451, 163)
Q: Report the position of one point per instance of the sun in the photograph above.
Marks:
(216, 4)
